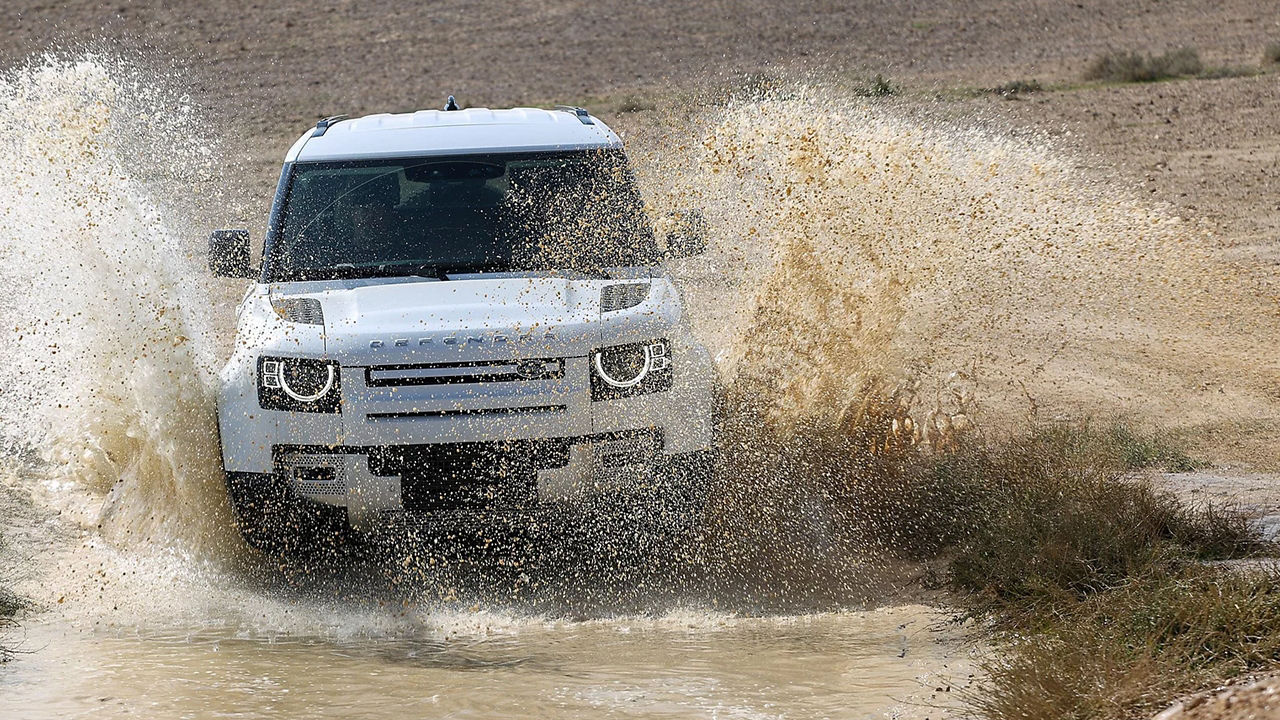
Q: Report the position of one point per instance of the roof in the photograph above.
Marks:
(438, 132)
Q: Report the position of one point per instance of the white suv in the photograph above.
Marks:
(459, 315)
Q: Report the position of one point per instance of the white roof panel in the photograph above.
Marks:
(438, 132)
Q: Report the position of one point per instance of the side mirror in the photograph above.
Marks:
(686, 233)
(229, 253)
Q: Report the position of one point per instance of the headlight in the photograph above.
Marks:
(298, 384)
(626, 370)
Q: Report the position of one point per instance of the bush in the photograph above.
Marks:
(1128, 652)
(878, 86)
(1091, 584)
(1135, 67)
(1055, 513)
(1059, 510)
(1090, 580)
(1271, 54)
(1140, 451)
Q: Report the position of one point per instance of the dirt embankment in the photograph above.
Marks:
(1246, 701)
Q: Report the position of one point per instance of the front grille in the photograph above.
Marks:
(528, 410)
(491, 371)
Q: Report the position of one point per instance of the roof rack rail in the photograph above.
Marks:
(326, 123)
(582, 113)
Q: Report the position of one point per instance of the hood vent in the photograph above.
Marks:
(622, 296)
(303, 310)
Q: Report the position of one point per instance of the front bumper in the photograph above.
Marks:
(444, 480)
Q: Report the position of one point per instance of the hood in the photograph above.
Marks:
(412, 320)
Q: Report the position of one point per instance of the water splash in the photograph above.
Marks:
(883, 282)
(869, 267)
(107, 353)
(858, 244)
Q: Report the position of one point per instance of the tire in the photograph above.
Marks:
(662, 517)
(685, 481)
(626, 549)
(275, 521)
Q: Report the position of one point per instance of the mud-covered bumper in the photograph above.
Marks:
(380, 484)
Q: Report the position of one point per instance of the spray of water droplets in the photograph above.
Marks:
(108, 362)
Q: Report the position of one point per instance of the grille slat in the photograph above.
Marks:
(464, 373)
(462, 412)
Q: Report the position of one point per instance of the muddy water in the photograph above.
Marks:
(697, 664)
(854, 247)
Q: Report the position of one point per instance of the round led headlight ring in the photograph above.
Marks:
(643, 367)
(276, 374)
(328, 385)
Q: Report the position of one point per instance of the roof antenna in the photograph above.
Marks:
(452, 104)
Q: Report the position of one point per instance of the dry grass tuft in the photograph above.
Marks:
(1091, 581)
(1128, 652)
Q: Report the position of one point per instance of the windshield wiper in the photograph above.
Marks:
(410, 270)
(347, 271)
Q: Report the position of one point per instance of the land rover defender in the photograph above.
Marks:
(458, 313)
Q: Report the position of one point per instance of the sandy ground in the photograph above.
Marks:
(265, 69)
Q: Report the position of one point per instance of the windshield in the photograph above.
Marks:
(478, 213)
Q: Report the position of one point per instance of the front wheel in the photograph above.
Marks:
(682, 484)
(648, 522)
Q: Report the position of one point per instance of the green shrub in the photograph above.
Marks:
(1015, 88)
(1135, 67)
(878, 86)
(1271, 54)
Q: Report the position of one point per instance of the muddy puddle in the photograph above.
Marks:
(464, 663)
